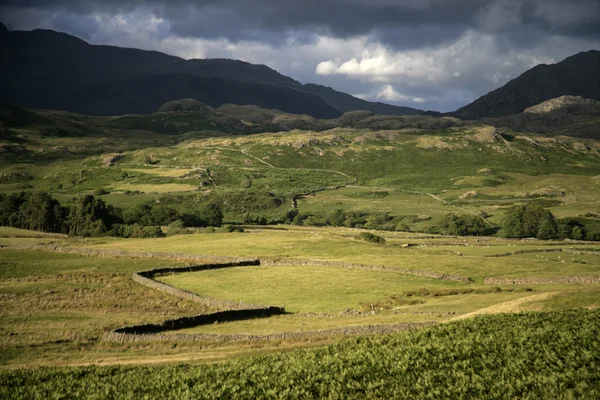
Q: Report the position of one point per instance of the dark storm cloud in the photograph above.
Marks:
(435, 21)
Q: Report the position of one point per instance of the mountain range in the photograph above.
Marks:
(45, 69)
(52, 70)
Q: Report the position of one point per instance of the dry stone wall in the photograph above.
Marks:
(572, 251)
(319, 263)
(514, 253)
(202, 319)
(534, 281)
(122, 337)
(146, 278)
(197, 258)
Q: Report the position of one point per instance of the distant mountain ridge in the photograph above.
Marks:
(578, 75)
(53, 70)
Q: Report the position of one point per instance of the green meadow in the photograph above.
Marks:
(60, 295)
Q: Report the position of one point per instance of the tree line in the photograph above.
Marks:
(528, 220)
(91, 216)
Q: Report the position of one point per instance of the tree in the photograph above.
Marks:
(163, 215)
(33, 210)
(576, 233)
(211, 215)
(370, 237)
(354, 219)
(291, 215)
(547, 229)
(336, 218)
(91, 216)
(377, 221)
(525, 221)
(140, 214)
(592, 231)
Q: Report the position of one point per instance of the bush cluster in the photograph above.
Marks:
(461, 225)
(370, 237)
(352, 219)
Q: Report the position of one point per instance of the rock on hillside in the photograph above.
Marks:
(578, 75)
(569, 104)
(186, 105)
(565, 115)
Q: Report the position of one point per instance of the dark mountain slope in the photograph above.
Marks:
(145, 95)
(53, 70)
(578, 75)
(345, 102)
(230, 70)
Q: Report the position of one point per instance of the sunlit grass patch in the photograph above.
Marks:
(299, 289)
(165, 172)
(157, 188)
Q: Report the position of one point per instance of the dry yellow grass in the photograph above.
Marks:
(508, 306)
(166, 172)
(158, 188)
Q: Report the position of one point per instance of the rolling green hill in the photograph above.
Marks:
(413, 170)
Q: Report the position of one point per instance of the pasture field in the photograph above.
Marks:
(429, 253)
(56, 306)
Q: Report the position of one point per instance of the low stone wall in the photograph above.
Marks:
(219, 304)
(431, 312)
(320, 263)
(120, 337)
(153, 273)
(202, 319)
(356, 313)
(129, 254)
(572, 251)
(514, 253)
(583, 251)
(534, 281)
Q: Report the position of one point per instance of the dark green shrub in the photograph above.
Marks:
(370, 237)
(336, 218)
(232, 228)
(462, 225)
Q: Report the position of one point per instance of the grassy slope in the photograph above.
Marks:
(507, 356)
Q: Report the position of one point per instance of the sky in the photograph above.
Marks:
(428, 54)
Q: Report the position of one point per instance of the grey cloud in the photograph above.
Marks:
(272, 20)
(82, 27)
